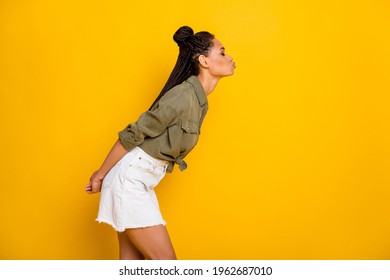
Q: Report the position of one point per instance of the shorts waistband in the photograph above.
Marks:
(155, 161)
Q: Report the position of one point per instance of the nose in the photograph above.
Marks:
(229, 58)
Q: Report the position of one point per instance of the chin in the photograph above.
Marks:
(227, 74)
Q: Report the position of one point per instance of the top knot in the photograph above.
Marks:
(182, 34)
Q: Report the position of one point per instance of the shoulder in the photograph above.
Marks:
(184, 88)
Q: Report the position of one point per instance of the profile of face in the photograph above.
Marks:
(217, 62)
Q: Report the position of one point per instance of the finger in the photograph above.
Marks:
(89, 190)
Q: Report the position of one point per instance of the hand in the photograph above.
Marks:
(95, 183)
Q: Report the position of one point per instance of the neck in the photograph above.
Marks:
(208, 82)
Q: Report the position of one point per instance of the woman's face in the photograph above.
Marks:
(219, 64)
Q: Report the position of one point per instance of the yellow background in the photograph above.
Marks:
(293, 160)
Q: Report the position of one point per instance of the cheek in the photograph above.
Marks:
(220, 61)
(218, 64)
(221, 67)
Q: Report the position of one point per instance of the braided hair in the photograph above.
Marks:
(191, 46)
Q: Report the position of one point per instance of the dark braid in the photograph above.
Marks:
(191, 46)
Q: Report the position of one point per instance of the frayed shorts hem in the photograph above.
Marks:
(123, 229)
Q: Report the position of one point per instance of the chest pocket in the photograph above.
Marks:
(190, 126)
(189, 137)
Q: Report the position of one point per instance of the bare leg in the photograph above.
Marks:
(153, 242)
(127, 250)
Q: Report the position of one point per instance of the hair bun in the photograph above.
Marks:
(182, 34)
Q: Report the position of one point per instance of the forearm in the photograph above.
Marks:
(95, 182)
(116, 153)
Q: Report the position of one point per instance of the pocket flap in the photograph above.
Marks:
(189, 126)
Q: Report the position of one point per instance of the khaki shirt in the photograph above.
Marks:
(170, 130)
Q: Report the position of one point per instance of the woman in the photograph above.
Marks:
(151, 146)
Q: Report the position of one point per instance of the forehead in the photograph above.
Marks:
(217, 45)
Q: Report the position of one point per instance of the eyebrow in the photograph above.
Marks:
(222, 49)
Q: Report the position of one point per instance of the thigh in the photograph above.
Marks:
(153, 242)
(127, 250)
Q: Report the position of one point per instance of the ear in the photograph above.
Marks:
(203, 61)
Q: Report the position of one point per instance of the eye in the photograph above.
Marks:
(223, 54)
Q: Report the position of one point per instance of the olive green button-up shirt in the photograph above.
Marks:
(170, 130)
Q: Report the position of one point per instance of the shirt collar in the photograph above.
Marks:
(194, 81)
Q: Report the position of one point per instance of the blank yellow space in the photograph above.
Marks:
(293, 159)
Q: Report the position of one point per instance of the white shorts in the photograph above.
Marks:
(127, 198)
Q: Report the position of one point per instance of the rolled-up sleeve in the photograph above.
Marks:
(150, 124)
